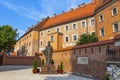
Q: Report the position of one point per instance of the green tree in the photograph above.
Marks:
(8, 37)
(87, 38)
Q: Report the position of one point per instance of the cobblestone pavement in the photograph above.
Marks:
(25, 73)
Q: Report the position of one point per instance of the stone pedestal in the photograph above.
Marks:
(48, 69)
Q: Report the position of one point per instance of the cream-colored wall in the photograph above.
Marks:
(29, 42)
(80, 30)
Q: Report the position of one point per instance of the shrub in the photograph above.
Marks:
(86, 38)
(61, 66)
(35, 64)
(43, 62)
(107, 76)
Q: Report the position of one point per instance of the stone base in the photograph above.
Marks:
(48, 69)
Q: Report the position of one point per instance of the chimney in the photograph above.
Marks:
(42, 19)
(79, 6)
(71, 9)
(28, 29)
(55, 15)
(47, 17)
(93, 1)
(63, 11)
(82, 5)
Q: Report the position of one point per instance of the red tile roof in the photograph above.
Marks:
(78, 13)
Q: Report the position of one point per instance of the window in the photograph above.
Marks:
(101, 18)
(41, 43)
(102, 32)
(29, 43)
(58, 29)
(115, 27)
(66, 39)
(30, 35)
(48, 31)
(114, 11)
(92, 22)
(74, 37)
(93, 33)
(41, 34)
(74, 26)
(83, 24)
(66, 28)
(52, 38)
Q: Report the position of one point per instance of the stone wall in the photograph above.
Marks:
(114, 71)
(95, 54)
(19, 60)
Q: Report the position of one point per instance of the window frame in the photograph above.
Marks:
(57, 29)
(82, 24)
(101, 20)
(101, 33)
(73, 26)
(73, 37)
(113, 11)
(91, 22)
(51, 38)
(65, 27)
(65, 39)
(113, 25)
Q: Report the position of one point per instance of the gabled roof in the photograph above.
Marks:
(78, 13)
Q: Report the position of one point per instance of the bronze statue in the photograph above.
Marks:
(48, 53)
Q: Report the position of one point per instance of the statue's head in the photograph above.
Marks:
(48, 43)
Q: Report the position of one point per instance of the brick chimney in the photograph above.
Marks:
(55, 15)
(71, 9)
(82, 5)
(63, 11)
(93, 1)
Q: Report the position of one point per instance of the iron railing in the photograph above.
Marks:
(113, 55)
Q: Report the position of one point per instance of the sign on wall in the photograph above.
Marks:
(82, 60)
(117, 43)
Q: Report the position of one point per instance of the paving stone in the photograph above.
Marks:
(25, 73)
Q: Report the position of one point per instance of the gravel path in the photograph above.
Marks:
(25, 73)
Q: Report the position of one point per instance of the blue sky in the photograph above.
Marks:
(21, 14)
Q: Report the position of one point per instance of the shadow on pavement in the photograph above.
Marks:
(13, 67)
(67, 77)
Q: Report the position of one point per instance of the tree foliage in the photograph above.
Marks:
(8, 37)
(87, 38)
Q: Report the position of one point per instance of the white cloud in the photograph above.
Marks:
(47, 8)
(24, 11)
